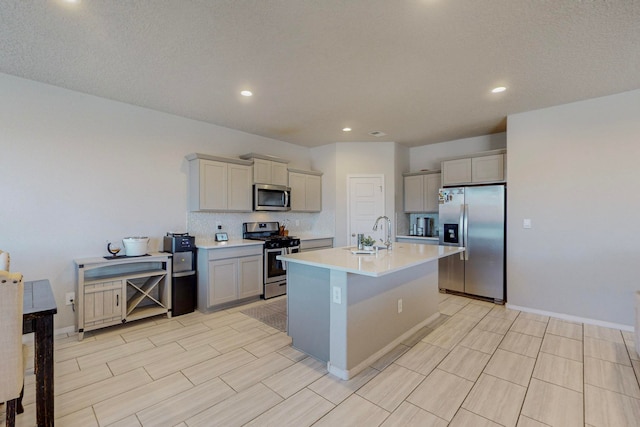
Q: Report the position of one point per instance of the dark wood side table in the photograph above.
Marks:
(39, 307)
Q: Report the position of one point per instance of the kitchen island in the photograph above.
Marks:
(350, 309)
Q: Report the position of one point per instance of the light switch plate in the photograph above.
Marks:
(337, 295)
(526, 223)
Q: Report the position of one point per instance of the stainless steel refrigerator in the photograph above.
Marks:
(473, 217)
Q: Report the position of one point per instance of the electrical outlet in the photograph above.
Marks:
(69, 298)
(337, 295)
(297, 223)
(400, 305)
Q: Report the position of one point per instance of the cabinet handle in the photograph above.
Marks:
(117, 300)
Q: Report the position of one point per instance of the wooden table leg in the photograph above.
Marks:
(44, 370)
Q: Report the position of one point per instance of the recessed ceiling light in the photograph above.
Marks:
(498, 89)
(246, 93)
(346, 129)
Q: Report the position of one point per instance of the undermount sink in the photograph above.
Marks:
(355, 248)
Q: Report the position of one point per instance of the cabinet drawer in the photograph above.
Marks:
(235, 252)
(310, 245)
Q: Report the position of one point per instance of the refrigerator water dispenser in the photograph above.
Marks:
(450, 233)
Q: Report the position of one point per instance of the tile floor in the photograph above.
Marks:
(477, 365)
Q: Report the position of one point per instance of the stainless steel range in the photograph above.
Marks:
(275, 274)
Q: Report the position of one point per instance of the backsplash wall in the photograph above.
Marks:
(204, 224)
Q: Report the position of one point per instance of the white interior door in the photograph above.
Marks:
(366, 203)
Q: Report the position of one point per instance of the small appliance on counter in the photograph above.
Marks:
(183, 276)
(135, 246)
(423, 227)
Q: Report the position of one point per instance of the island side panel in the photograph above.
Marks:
(370, 311)
(339, 321)
(308, 309)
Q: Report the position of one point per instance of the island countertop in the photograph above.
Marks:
(402, 256)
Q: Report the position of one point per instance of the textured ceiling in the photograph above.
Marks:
(418, 70)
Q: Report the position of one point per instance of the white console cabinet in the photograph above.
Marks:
(118, 290)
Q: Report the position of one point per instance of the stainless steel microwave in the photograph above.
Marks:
(268, 197)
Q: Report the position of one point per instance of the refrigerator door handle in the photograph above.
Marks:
(466, 232)
(462, 231)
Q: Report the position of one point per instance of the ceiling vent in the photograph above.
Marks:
(377, 133)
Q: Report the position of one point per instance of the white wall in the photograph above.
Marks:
(78, 170)
(430, 156)
(401, 221)
(573, 170)
(362, 158)
(324, 159)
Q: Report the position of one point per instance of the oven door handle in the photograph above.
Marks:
(284, 251)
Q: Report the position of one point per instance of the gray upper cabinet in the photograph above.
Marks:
(268, 169)
(306, 190)
(456, 171)
(421, 192)
(219, 184)
(487, 168)
(482, 168)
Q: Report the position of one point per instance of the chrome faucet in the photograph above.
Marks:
(387, 243)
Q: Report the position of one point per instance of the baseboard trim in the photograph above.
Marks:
(67, 330)
(571, 318)
(346, 374)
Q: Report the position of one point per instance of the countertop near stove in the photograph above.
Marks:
(210, 243)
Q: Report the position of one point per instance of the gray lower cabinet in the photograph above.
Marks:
(316, 244)
(228, 275)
